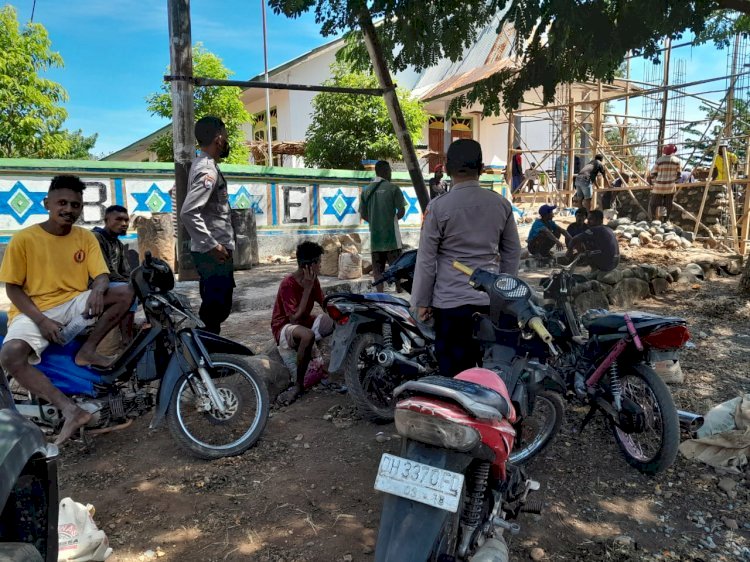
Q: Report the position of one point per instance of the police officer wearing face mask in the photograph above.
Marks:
(206, 217)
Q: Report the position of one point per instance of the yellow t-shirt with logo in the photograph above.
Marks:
(721, 169)
(51, 269)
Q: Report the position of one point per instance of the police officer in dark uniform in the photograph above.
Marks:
(206, 216)
(475, 226)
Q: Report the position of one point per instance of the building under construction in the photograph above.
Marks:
(629, 120)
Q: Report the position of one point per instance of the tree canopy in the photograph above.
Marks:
(348, 128)
(557, 41)
(221, 101)
(31, 112)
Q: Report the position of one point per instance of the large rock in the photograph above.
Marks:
(635, 242)
(695, 269)
(659, 286)
(589, 300)
(674, 271)
(610, 277)
(645, 237)
(273, 371)
(629, 291)
(687, 278)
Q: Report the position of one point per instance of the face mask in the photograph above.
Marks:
(225, 151)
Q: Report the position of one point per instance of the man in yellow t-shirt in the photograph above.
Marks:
(46, 270)
(720, 170)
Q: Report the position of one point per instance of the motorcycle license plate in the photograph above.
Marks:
(419, 482)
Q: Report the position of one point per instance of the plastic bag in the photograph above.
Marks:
(80, 540)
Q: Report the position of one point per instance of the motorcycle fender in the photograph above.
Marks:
(214, 343)
(410, 530)
(342, 341)
(166, 388)
(553, 381)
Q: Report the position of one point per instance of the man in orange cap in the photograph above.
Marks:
(437, 185)
(663, 177)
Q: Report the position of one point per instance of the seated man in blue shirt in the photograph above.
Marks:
(545, 234)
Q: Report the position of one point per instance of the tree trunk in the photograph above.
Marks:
(183, 119)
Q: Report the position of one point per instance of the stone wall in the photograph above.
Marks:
(715, 212)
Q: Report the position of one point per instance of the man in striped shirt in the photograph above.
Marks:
(663, 178)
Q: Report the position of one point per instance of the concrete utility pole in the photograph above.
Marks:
(183, 118)
(375, 49)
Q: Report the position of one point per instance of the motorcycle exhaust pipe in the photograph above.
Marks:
(493, 550)
(388, 357)
(690, 422)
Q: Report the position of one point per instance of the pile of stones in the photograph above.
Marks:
(623, 287)
(654, 234)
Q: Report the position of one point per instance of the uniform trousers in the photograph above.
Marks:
(455, 346)
(216, 289)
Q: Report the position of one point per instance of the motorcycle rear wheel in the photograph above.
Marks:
(545, 422)
(368, 382)
(197, 427)
(641, 384)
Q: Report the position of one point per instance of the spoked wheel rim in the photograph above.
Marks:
(205, 425)
(374, 379)
(537, 428)
(646, 445)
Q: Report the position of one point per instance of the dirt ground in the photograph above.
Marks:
(304, 492)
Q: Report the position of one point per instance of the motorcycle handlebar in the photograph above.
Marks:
(537, 325)
(463, 268)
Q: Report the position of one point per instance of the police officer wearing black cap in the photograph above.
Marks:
(476, 227)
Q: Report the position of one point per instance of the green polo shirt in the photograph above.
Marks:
(379, 203)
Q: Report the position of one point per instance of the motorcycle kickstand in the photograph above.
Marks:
(589, 416)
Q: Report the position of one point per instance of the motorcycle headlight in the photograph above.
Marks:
(511, 288)
(436, 431)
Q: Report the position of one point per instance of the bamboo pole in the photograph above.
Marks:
(375, 50)
(509, 162)
(571, 144)
(730, 194)
(665, 97)
(708, 184)
(745, 229)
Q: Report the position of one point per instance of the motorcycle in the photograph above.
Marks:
(378, 344)
(451, 493)
(609, 370)
(214, 403)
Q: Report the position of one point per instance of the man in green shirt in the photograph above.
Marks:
(382, 204)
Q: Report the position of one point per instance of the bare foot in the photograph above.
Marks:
(93, 359)
(75, 418)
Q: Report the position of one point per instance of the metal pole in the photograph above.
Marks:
(375, 49)
(269, 162)
(183, 117)
(665, 98)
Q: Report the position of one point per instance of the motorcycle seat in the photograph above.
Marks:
(480, 401)
(610, 323)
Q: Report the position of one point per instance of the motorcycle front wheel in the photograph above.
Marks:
(370, 385)
(653, 449)
(536, 431)
(208, 433)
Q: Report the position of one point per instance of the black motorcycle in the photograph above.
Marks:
(214, 403)
(378, 344)
(609, 369)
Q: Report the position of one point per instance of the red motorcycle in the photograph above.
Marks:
(451, 493)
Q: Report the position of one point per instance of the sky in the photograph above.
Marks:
(117, 51)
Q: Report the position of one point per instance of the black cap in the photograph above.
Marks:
(464, 156)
